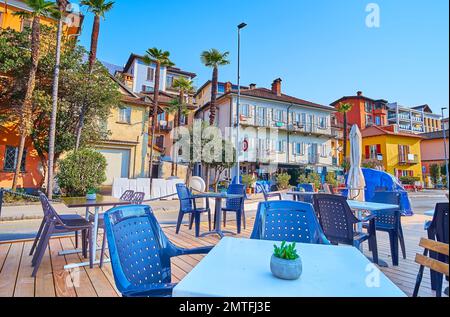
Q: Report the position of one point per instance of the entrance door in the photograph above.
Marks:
(118, 164)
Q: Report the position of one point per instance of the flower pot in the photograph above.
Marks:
(286, 269)
(91, 196)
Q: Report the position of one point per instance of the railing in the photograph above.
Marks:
(10, 192)
(166, 128)
(408, 160)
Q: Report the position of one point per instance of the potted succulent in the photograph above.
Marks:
(91, 194)
(249, 181)
(286, 263)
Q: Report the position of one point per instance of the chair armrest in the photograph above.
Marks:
(368, 218)
(202, 250)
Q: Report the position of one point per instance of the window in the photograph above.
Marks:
(261, 114)
(25, 24)
(322, 122)
(245, 110)
(161, 117)
(368, 106)
(278, 115)
(323, 150)
(377, 120)
(369, 120)
(169, 81)
(11, 157)
(299, 149)
(403, 152)
(150, 74)
(125, 115)
(221, 88)
(280, 146)
(372, 151)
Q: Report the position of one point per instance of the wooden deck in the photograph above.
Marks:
(52, 280)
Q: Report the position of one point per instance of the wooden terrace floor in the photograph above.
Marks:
(53, 281)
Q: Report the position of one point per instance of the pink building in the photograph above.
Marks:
(432, 148)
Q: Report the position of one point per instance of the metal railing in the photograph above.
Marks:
(13, 193)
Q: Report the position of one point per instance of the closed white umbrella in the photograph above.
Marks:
(356, 182)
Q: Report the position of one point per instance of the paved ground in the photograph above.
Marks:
(19, 222)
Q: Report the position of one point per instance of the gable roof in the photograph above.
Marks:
(334, 103)
(424, 108)
(376, 131)
(169, 69)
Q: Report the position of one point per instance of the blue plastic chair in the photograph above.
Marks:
(288, 221)
(438, 230)
(309, 188)
(189, 206)
(337, 221)
(140, 252)
(235, 205)
(390, 221)
(260, 188)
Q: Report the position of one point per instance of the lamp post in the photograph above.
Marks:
(445, 147)
(238, 149)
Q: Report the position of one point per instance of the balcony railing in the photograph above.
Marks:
(307, 128)
(410, 159)
(166, 127)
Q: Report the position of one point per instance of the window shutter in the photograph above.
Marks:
(367, 152)
(284, 118)
(378, 148)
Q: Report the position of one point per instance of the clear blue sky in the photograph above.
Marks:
(322, 49)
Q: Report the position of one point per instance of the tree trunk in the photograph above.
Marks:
(26, 111)
(212, 108)
(155, 116)
(52, 136)
(345, 140)
(92, 59)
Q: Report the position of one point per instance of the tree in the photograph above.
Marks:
(39, 8)
(62, 5)
(345, 108)
(160, 59)
(213, 58)
(180, 107)
(435, 173)
(99, 8)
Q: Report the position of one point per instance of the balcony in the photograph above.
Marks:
(165, 127)
(411, 159)
(314, 159)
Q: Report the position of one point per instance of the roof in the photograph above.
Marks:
(169, 69)
(357, 97)
(425, 108)
(267, 94)
(376, 131)
(219, 83)
(435, 135)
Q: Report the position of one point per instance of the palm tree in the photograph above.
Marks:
(99, 8)
(39, 9)
(62, 5)
(213, 58)
(160, 59)
(345, 108)
(180, 107)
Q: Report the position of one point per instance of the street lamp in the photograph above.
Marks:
(238, 147)
(445, 146)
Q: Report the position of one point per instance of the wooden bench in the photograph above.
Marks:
(427, 262)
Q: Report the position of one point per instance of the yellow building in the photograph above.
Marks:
(127, 147)
(399, 152)
(9, 20)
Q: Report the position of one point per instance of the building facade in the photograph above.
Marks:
(433, 150)
(277, 131)
(420, 119)
(400, 153)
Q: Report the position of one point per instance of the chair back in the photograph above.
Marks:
(287, 221)
(127, 195)
(388, 219)
(335, 217)
(309, 188)
(236, 203)
(138, 198)
(263, 191)
(185, 197)
(49, 212)
(327, 189)
(440, 225)
(139, 250)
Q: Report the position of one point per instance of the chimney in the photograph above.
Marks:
(252, 86)
(228, 87)
(276, 87)
(359, 93)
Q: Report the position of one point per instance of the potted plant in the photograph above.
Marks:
(286, 263)
(249, 181)
(91, 194)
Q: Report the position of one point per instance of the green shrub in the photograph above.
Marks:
(286, 251)
(248, 180)
(82, 171)
(283, 181)
(408, 180)
(331, 179)
(312, 178)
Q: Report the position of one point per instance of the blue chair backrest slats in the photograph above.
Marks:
(287, 221)
(235, 203)
(389, 219)
(185, 197)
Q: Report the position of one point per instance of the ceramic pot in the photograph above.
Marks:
(286, 269)
(91, 196)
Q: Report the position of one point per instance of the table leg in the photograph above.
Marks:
(93, 253)
(218, 218)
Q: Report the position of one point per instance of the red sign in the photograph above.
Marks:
(245, 145)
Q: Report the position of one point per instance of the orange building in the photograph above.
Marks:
(365, 111)
(31, 177)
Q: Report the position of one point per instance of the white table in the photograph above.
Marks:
(241, 268)
(369, 206)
